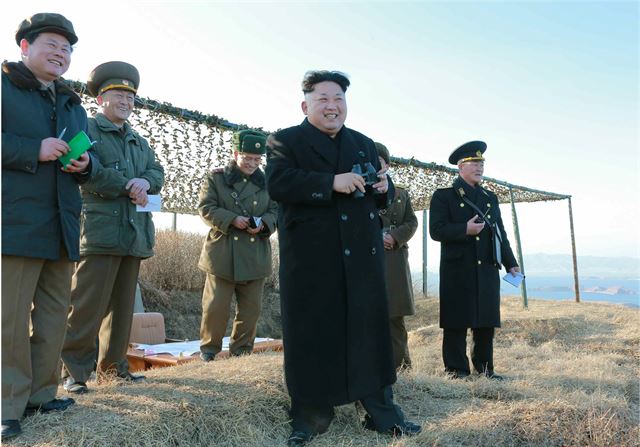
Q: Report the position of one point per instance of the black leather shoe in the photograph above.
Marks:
(10, 428)
(134, 378)
(298, 438)
(71, 386)
(207, 356)
(405, 428)
(53, 405)
(455, 374)
(493, 376)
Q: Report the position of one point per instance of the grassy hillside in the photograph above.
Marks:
(573, 374)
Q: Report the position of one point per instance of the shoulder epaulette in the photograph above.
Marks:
(217, 170)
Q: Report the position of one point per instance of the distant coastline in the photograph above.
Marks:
(592, 288)
(609, 290)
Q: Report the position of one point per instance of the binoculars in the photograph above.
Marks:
(369, 174)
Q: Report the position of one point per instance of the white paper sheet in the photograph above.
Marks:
(155, 203)
(184, 348)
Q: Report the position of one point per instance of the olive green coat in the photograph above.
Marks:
(110, 224)
(229, 253)
(401, 222)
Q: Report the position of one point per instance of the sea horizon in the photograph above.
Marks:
(561, 288)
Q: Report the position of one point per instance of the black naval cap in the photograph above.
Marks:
(250, 142)
(471, 151)
(383, 152)
(113, 75)
(46, 22)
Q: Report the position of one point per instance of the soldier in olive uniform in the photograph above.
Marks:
(465, 219)
(114, 236)
(237, 253)
(399, 225)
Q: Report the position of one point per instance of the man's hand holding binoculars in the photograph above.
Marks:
(348, 182)
(383, 185)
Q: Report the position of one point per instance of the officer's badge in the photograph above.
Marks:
(258, 145)
(125, 82)
(479, 154)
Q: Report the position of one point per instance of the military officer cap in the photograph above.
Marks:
(113, 75)
(471, 151)
(383, 152)
(46, 22)
(251, 142)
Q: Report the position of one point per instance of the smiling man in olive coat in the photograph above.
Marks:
(236, 255)
(334, 305)
(115, 237)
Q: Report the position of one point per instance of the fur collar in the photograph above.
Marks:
(233, 174)
(23, 78)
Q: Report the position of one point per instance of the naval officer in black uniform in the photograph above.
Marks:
(465, 219)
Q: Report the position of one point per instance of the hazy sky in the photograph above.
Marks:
(552, 87)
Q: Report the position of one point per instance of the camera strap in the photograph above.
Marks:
(234, 196)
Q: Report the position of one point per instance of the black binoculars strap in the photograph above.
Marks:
(495, 231)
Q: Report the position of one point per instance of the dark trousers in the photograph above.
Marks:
(454, 350)
(316, 419)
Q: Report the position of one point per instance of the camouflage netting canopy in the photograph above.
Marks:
(189, 144)
(422, 179)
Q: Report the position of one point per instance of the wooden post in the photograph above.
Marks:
(174, 222)
(576, 285)
(425, 238)
(516, 230)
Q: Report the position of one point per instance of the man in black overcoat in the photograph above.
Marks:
(465, 219)
(337, 346)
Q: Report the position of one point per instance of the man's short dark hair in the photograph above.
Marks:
(313, 77)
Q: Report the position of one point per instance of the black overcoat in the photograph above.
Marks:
(40, 203)
(337, 346)
(469, 278)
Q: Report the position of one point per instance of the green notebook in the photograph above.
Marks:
(79, 145)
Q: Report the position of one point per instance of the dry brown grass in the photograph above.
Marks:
(175, 263)
(572, 373)
(172, 284)
(182, 312)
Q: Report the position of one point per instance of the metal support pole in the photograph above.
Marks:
(576, 285)
(425, 237)
(516, 230)
(174, 222)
